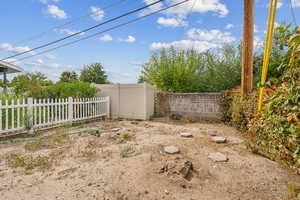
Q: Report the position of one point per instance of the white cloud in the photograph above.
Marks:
(152, 8)
(171, 22)
(67, 31)
(279, 4)
(229, 26)
(41, 63)
(46, 1)
(56, 12)
(97, 13)
(199, 46)
(137, 62)
(255, 29)
(296, 3)
(18, 49)
(50, 57)
(129, 39)
(106, 37)
(200, 6)
(214, 35)
(258, 42)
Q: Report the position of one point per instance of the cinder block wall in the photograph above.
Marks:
(134, 101)
(205, 106)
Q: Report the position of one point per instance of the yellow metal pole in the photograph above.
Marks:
(267, 50)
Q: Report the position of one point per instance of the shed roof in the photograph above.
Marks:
(11, 68)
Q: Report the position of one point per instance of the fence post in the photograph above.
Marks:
(145, 101)
(70, 109)
(30, 114)
(108, 107)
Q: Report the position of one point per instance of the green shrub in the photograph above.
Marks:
(76, 89)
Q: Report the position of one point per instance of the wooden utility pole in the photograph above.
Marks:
(247, 45)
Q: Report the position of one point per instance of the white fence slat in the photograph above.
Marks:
(12, 114)
(46, 112)
(0, 114)
(40, 111)
(23, 113)
(35, 112)
(18, 113)
(6, 115)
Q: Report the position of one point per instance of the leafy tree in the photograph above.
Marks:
(93, 73)
(222, 70)
(29, 83)
(189, 71)
(68, 77)
(173, 70)
(1, 83)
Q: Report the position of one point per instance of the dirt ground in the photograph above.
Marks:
(131, 164)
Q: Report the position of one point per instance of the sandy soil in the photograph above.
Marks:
(135, 166)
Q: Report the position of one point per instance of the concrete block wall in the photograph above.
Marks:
(204, 106)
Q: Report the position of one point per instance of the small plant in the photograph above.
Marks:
(72, 124)
(28, 162)
(88, 153)
(126, 151)
(34, 145)
(59, 138)
(126, 136)
(293, 191)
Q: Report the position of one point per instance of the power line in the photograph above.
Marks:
(293, 13)
(41, 34)
(84, 31)
(101, 32)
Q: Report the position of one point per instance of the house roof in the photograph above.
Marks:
(11, 68)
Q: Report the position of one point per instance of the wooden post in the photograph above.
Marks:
(247, 45)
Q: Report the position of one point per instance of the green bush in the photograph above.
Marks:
(189, 71)
(276, 130)
(76, 89)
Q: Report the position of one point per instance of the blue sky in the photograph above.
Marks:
(202, 25)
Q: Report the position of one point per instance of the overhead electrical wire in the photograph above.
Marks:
(101, 32)
(82, 31)
(71, 22)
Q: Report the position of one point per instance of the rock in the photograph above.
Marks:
(116, 129)
(212, 132)
(175, 116)
(218, 157)
(186, 134)
(218, 139)
(171, 149)
(186, 170)
(235, 140)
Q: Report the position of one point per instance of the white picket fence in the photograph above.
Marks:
(15, 115)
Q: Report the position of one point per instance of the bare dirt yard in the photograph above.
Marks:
(130, 162)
